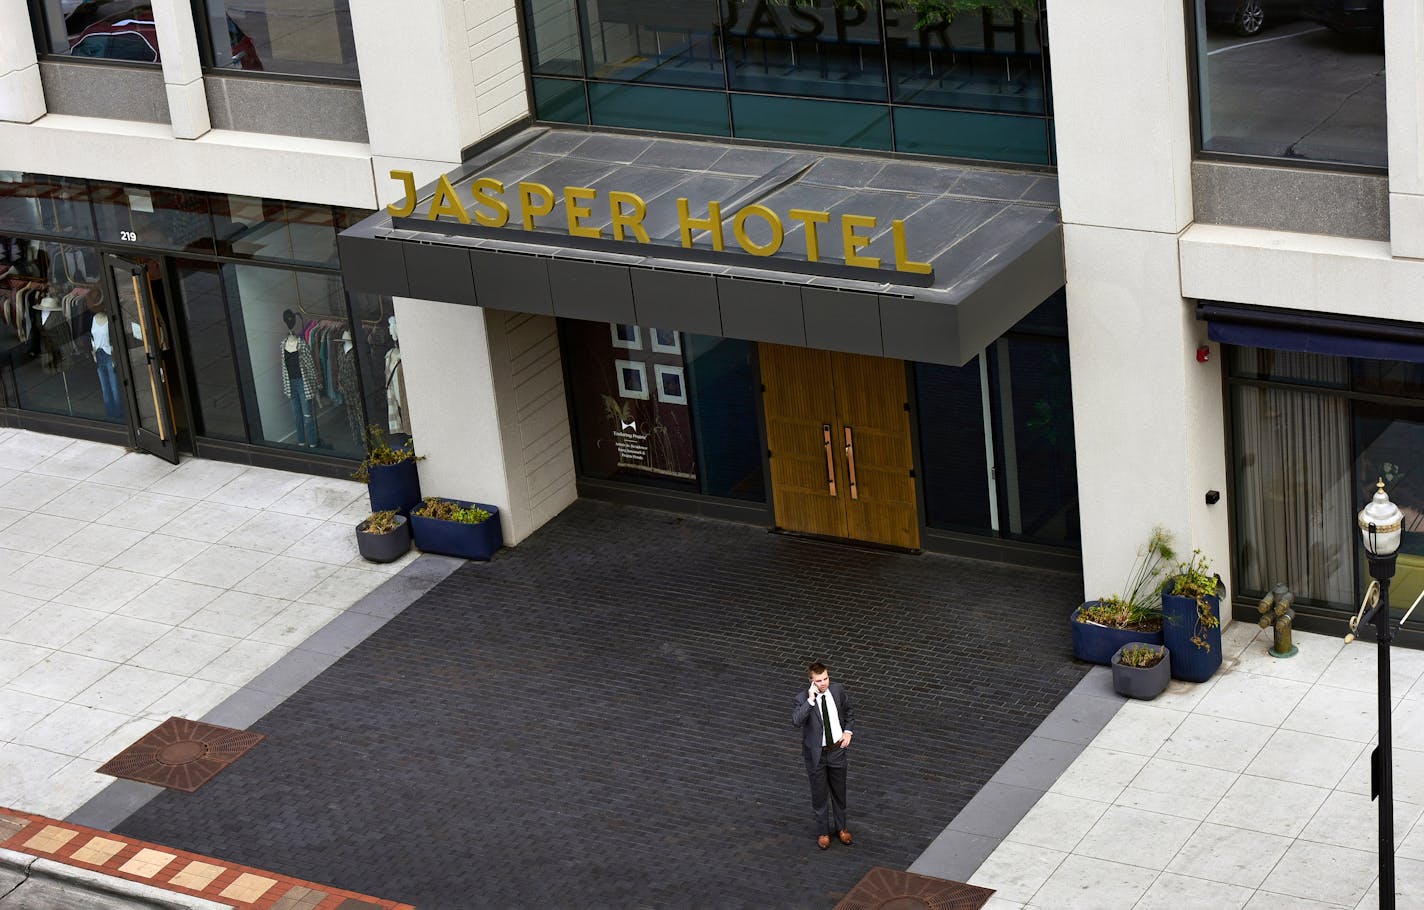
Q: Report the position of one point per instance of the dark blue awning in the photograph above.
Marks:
(1312, 333)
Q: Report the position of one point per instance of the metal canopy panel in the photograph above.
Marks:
(992, 237)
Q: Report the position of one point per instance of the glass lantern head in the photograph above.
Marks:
(1380, 524)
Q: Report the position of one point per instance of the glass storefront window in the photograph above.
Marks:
(1389, 440)
(554, 47)
(271, 229)
(1034, 445)
(1295, 81)
(830, 50)
(678, 110)
(1311, 435)
(291, 331)
(560, 100)
(665, 408)
(171, 219)
(379, 370)
(816, 72)
(964, 134)
(1295, 503)
(1024, 383)
(671, 42)
(950, 405)
(120, 30)
(992, 61)
(212, 373)
(833, 123)
(41, 204)
(292, 37)
(56, 341)
(1295, 367)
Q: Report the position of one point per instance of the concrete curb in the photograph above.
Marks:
(1016, 787)
(43, 884)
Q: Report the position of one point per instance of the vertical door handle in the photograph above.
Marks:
(830, 463)
(850, 461)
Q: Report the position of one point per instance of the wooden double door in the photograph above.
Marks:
(838, 432)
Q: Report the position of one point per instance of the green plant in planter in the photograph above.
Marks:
(1141, 606)
(380, 522)
(1194, 578)
(1141, 656)
(445, 510)
(380, 452)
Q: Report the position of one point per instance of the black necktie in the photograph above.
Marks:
(825, 719)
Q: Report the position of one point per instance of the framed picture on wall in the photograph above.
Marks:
(666, 341)
(627, 337)
(632, 379)
(672, 384)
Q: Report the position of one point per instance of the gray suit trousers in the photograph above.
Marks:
(828, 791)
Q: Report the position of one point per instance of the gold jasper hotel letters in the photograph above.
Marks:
(627, 211)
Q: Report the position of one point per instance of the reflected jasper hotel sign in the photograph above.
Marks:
(493, 206)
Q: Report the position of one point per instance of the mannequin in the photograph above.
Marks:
(299, 381)
(54, 333)
(349, 384)
(397, 414)
(104, 356)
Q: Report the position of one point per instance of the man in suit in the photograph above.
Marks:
(823, 712)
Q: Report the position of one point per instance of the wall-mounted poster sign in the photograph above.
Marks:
(629, 387)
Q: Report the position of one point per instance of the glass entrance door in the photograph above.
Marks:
(146, 337)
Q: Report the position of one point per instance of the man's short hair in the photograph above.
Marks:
(816, 669)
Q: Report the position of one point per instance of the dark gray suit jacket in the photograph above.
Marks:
(808, 717)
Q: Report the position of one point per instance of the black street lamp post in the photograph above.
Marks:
(1380, 525)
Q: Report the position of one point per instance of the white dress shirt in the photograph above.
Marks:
(834, 715)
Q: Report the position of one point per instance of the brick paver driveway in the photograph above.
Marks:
(601, 718)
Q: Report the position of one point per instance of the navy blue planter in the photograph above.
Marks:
(1097, 644)
(455, 538)
(394, 487)
(1179, 624)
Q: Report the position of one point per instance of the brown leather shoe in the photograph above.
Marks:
(845, 837)
(824, 842)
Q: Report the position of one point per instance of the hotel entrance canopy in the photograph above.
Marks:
(838, 251)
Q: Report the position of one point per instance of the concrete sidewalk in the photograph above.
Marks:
(1248, 790)
(135, 590)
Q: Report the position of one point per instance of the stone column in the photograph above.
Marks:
(1147, 416)
(182, 68)
(1404, 105)
(21, 94)
(487, 409)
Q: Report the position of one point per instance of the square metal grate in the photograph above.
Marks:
(890, 889)
(181, 754)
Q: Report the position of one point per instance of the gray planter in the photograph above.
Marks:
(1142, 682)
(384, 547)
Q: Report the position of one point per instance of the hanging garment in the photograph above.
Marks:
(348, 383)
(397, 416)
(304, 365)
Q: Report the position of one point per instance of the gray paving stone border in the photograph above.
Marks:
(1020, 782)
(277, 683)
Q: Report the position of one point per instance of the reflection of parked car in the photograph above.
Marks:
(1248, 17)
(1346, 15)
(136, 39)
